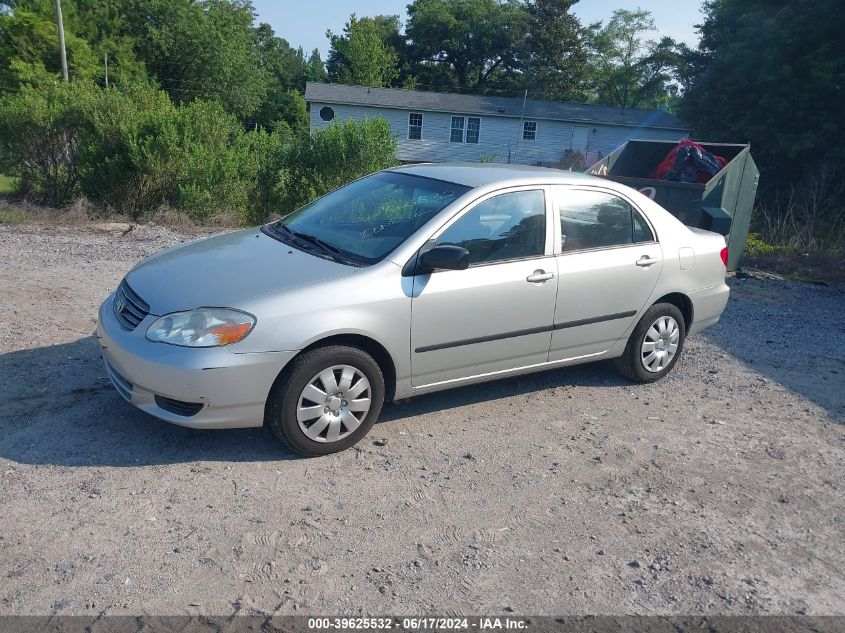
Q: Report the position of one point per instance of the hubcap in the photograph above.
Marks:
(660, 344)
(333, 403)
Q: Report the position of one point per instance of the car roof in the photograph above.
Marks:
(477, 174)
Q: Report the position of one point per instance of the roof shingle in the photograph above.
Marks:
(491, 106)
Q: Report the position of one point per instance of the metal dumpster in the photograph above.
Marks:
(723, 204)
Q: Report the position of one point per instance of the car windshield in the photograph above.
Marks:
(366, 220)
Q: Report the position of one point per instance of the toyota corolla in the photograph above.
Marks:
(405, 282)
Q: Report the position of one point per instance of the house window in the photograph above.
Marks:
(327, 113)
(457, 133)
(529, 130)
(473, 129)
(415, 126)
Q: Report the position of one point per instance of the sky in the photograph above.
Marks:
(304, 23)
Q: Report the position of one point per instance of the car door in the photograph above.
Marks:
(496, 314)
(609, 262)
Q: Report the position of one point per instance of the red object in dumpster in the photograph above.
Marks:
(668, 164)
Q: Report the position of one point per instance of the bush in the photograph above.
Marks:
(142, 152)
(335, 156)
(9, 186)
(122, 153)
(40, 130)
(755, 245)
(807, 215)
(213, 168)
(11, 216)
(131, 149)
(267, 195)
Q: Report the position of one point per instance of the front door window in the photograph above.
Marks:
(508, 226)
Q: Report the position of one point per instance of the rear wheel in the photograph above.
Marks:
(655, 344)
(327, 400)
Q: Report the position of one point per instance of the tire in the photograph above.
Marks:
(320, 425)
(632, 364)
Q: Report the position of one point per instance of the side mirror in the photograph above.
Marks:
(444, 258)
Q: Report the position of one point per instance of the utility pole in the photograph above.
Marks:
(106, 56)
(61, 26)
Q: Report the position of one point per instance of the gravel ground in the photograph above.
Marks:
(716, 491)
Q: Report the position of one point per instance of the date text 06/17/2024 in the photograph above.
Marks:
(418, 624)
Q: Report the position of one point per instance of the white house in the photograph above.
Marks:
(439, 127)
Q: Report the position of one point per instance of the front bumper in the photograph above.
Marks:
(232, 388)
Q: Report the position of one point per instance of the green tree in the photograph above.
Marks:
(286, 64)
(315, 69)
(362, 54)
(93, 30)
(476, 41)
(284, 111)
(283, 106)
(555, 61)
(204, 50)
(626, 70)
(102, 25)
(770, 72)
(29, 47)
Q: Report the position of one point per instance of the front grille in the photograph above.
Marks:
(129, 308)
(186, 409)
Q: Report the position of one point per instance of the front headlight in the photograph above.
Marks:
(204, 327)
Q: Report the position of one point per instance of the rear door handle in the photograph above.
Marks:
(645, 261)
(539, 276)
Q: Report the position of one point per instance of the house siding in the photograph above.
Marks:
(500, 136)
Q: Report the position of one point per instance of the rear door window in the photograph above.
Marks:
(597, 219)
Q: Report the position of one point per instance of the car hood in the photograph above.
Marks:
(226, 271)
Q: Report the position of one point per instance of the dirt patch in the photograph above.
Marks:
(818, 267)
(717, 490)
(82, 214)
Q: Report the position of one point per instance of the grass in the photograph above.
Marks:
(10, 216)
(755, 245)
(8, 185)
(813, 267)
(816, 266)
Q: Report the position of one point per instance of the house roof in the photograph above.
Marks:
(490, 106)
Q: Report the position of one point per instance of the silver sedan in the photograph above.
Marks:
(405, 282)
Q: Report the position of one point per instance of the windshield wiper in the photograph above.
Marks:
(329, 249)
(278, 226)
(316, 240)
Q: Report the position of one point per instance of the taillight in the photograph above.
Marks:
(724, 256)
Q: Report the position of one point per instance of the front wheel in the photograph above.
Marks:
(326, 401)
(655, 344)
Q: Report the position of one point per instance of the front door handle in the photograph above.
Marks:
(645, 261)
(539, 276)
